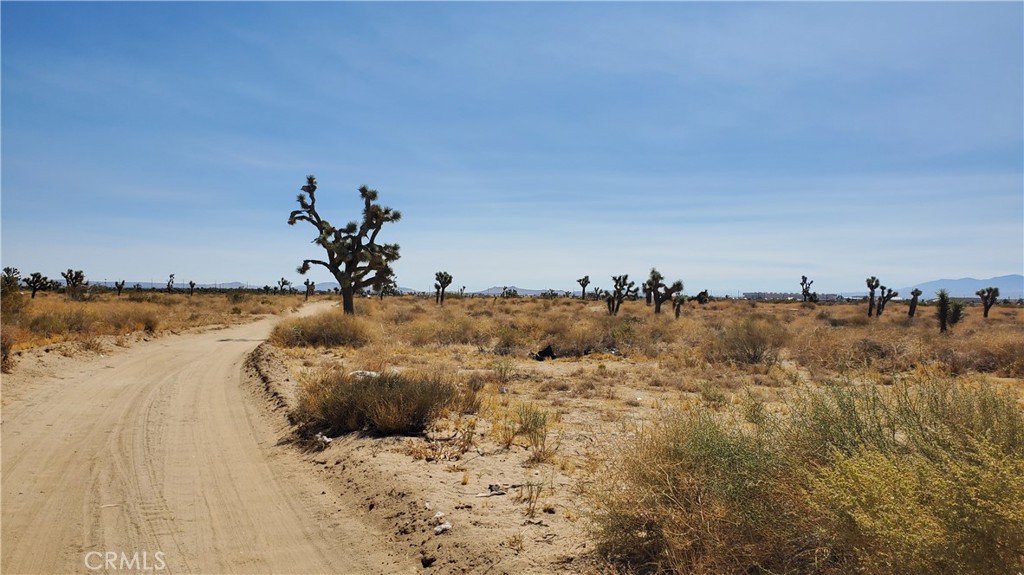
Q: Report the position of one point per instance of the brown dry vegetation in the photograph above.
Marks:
(54, 319)
(739, 438)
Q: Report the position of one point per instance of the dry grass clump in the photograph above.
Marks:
(923, 478)
(752, 339)
(335, 402)
(328, 329)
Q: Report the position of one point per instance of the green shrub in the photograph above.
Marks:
(329, 329)
(388, 404)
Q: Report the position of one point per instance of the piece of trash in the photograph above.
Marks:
(502, 390)
(493, 489)
(363, 374)
(442, 527)
(323, 439)
(438, 517)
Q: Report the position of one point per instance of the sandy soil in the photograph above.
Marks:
(166, 456)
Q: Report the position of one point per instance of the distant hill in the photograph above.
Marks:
(1010, 287)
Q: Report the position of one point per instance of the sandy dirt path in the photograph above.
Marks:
(164, 456)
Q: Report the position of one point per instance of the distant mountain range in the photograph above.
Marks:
(1010, 287)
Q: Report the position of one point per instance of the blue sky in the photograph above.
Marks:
(735, 146)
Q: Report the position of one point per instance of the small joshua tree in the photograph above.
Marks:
(948, 312)
(74, 282)
(12, 302)
(703, 297)
(119, 286)
(36, 282)
(873, 284)
(805, 289)
(310, 286)
(443, 280)
(584, 282)
(913, 302)
(353, 255)
(648, 291)
(283, 285)
(884, 296)
(661, 292)
(622, 289)
(677, 304)
(988, 298)
(170, 284)
(191, 288)
(385, 284)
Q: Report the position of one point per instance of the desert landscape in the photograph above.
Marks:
(736, 436)
(504, 288)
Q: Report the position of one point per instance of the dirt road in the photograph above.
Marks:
(160, 459)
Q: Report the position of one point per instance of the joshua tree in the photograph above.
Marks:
(385, 284)
(283, 285)
(584, 282)
(353, 255)
(873, 284)
(648, 291)
(805, 288)
(119, 286)
(702, 298)
(913, 301)
(310, 286)
(677, 304)
(622, 289)
(659, 291)
(884, 296)
(170, 284)
(36, 282)
(948, 312)
(443, 279)
(988, 298)
(191, 288)
(74, 281)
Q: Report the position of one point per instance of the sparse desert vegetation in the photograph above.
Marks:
(739, 437)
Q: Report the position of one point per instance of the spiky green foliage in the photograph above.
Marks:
(36, 282)
(660, 292)
(873, 284)
(442, 281)
(354, 257)
(988, 297)
(622, 289)
(948, 311)
(584, 282)
(74, 283)
(913, 301)
(884, 296)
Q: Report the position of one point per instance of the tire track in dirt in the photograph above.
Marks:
(160, 448)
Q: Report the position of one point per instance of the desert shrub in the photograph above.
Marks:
(754, 338)
(922, 478)
(328, 329)
(388, 404)
(695, 493)
(10, 336)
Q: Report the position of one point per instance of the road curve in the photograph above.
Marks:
(157, 459)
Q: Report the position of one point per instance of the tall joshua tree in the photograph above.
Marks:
(354, 257)
(913, 302)
(948, 312)
(884, 296)
(442, 281)
(621, 289)
(659, 291)
(36, 282)
(584, 282)
(873, 284)
(988, 298)
(119, 286)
